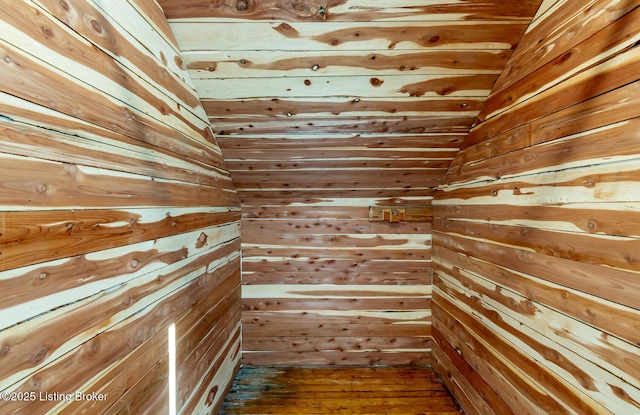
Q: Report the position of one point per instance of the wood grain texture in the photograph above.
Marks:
(350, 10)
(118, 217)
(323, 109)
(535, 236)
(315, 290)
(330, 390)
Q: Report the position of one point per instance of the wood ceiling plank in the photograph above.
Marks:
(206, 34)
(374, 124)
(415, 141)
(431, 165)
(319, 106)
(255, 64)
(338, 153)
(350, 10)
(353, 86)
(312, 196)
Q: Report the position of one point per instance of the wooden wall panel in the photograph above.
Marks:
(323, 285)
(323, 109)
(535, 230)
(118, 217)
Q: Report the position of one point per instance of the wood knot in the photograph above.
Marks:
(376, 82)
(97, 27)
(242, 5)
(47, 32)
(41, 354)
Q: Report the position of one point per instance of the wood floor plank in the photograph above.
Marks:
(338, 390)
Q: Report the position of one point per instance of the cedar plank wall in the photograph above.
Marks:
(323, 108)
(536, 302)
(118, 218)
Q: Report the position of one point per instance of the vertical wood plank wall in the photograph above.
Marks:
(118, 218)
(536, 298)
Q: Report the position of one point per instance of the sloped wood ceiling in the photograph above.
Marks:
(325, 98)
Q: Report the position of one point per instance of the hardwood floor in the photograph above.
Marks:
(338, 390)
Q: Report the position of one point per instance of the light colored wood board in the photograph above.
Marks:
(336, 358)
(615, 219)
(36, 116)
(601, 250)
(71, 371)
(33, 80)
(616, 39)
(341, 269)
(547, 390)
(444, 124)
(71, 186)
(362, 125)
(31, 237)
(341, 187)
(611, 113)
(270, 239)
(354, 179)
(351, 209)
(431, 166)
(368, 86)
(257, 64)
(194, 35)
(383, 106)
(65, 281)
(345, 317)
(302, 254)
(352, 305)
(603, 352)
(103, 152)
(317, 197)
(596, 183)
(360, 226)
(612, 318)
(298, 329)
(607, 76)
(331, 153)
(336, 276)
(335, 343)
(559, 29)
(84, 67)
(346, 140)
(607, 283)
(352, 10)
(329, 204)
(327, 292)
(596, 385)
(105, 30)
